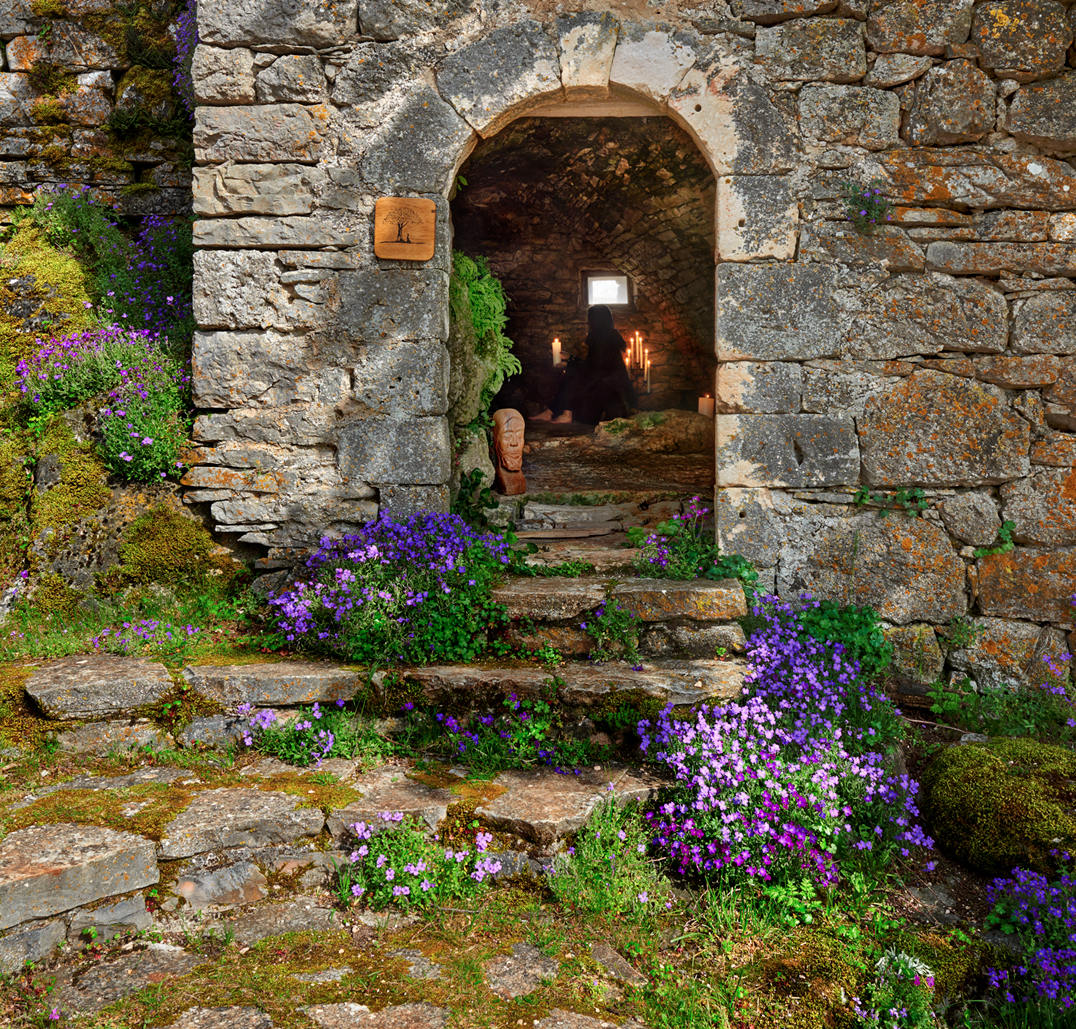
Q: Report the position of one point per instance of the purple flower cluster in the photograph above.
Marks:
(186, 41)
(147, 634)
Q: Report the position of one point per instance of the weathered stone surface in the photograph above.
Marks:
(396, 450)
(1043, 507)
(241, 290)
(405, 378)
(998, 258)
(16, 99)
(978, 179)
(896, 69)
(394, 304)
(1045, 324)
(488, 81)
(1063, 391)
(389, 789)
(1060, 453)
(272, 684)
(281, 231)
(756, 217)
(836, 241)
(672, 682)
(373, 73)
(831, 50)
(316, 23)
(550, 601)
(18, 18)
(786, 450)
(70, 46)
(649, 61)
(559, 1019)
(749, 387)
(905, 568)
(941, 430)
(222, 888)
(107, 920)
(238, 818)
(1027, 583)
(520, 973)
(700, 600)
(615, 965)
(839, 389)
(1012, 226)
(953, 103)
(1021, 39)
(916, 654)
(690, 639)
(919, 26)
(48, 869)
(587, 44)
(396, 1016)
(1007, 654)
(300, 915)
(400, 502)
(770, 12)
(734, 122)
(972, 518)
(223, 1018)
(280, 132)
(30, 942)
(95, 686)
(851, 116)
(1063, 228)
(1032, 372)
(108, 981)
(113, 736)
(223, 76)
(294, 78)
(391, 19)
(1045, 114)
(775, 312)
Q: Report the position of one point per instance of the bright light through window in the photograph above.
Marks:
(607, 289)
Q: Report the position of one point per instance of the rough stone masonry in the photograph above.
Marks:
(937, 354)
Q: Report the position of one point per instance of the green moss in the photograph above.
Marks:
(82, 487)
(48, 111)
(139, 187)
(54, 596)
(19, 726)
(151, 85)
(52, 80)
(1003, 804)
(53, 9)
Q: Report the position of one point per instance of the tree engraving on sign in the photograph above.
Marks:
(405, 228)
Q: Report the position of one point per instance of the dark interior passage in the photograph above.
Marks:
(550, 200)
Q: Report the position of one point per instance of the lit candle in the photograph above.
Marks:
(706, 405)
(556, 352)
(648, 373)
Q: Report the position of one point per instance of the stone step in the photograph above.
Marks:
(95, 686)
(531, 533)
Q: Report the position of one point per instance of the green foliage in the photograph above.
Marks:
(1005, 710)
(961, 633)
(614, 630)
(566, 570)
(145, 433)
(319, 733)
(866, 207)
(902, 984)
(855, 628)
(474, 499)
(476, 293)
(913, 502)
(1006, 544)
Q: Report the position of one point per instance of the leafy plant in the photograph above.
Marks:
(473, 500)
(614, 630)
(866, 207)
(901, 994)
(913, 502)
(1006, 544)
(313, 736)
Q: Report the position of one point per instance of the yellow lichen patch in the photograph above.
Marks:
(19, 725)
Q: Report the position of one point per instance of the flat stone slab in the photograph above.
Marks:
(48, 869)
(399, 1016)
(521, 972)
(418, 965)
(552, 599)
(270, 684)
(96, 686)
(109, 919)
(30, 943)
(390, 790)
(222, 818)
(542, 805)
(222, 888)
(681, 683)
(223, 1018)
(104, 737)
(616, 965)
(302, 914)
(99, 985)
(110, 783)
(560, 1019)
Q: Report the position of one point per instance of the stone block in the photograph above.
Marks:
(919, 26)
(1060, 453)
(299, 427)
(953, 103)
(294, 78)
(241, 290)
(390, 19)
(417, 1015)
(786, 450)
(419, 148)
(372, 73)
(314, 23)
(399, 503)
(1021, 39)
(1002, 258)
(223, 76)
(978, 179)
(1045, 114)
(916, 653)
(839, 388)
(278, 133)
(830, 50)
(924, 314)
(1063, 228)
(972, 518)
(749, 387)
(30, 942)
(404, 451)
(96, 686)
(388, 789)
(107, 920)
(267, 189)
(1063, 391)
(522, 972)
(905, 568)
(650, 61)
(841, 242)
(776, 312)
(1007, 654)
(48, 869)
(896, 69)
(756, 217)
(222, 818)
(1043, 507)
(1012, 226)
(280, 231)
(661, 600)
(587, 45)
(392, 304)
(1018, 372)
(112, 737)
(1045, 324)
(544, 600)
(771, 12)
(850, 116)
(402, 378)
(494, 80)
(934, 429)
(734, 123)
(222, 888)
(17, 18)
(283, 683)
(16, 99)
(70, 46)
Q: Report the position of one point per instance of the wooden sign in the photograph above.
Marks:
(405, 228)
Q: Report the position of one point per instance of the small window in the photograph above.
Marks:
(603, 288)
